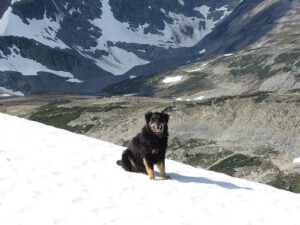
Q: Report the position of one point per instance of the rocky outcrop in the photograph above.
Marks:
(4, 4)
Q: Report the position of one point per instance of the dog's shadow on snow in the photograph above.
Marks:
(204, 180)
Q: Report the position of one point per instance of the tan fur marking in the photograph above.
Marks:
(162, 170)
(150, 172)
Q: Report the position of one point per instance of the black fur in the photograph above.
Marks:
(148, 144)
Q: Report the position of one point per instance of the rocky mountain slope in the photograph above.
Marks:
(248, 136)
(82, 46)
(260, 46)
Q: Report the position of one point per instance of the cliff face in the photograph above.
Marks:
(3, 7)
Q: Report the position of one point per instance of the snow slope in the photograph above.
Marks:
(174, 35)
(16, 62)
(52, 176)
(43, 31)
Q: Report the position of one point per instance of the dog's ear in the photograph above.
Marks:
(165, 117)
(148, 116)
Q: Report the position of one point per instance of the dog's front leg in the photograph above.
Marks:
(162, 169)
(149, 169)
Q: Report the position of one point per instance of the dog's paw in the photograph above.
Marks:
(152, 176)
(167, 177)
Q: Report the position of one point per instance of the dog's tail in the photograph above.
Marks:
(119, 162)
(127, 161)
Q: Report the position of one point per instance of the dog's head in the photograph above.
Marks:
(157, 122)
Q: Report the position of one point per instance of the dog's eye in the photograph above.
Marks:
(155, 117)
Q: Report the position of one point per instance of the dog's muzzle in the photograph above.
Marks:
(157, 128)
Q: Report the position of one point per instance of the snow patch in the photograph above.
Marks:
(225, 11)
(183, 32)
(229, 54)
(16, 62)
(43, 31)
(171, 36)
(162, 10)
(129, 95)
(196, 69)
(202, 51)
(66, 5)
(181, 2)
(72, 10)
(119, 61)
(74, 80)
(199, 98)
(14, 1)
(223, 8)
(204, 10)
(121, 32)
(181, 22)
(297, 160)
(168, 80)
(9, 92)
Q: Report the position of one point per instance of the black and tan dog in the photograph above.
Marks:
(148, 147)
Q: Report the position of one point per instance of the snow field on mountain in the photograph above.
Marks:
(120, 61)
(52, 176)
(43, 31)
(16, 62)
(184, 31)
(9, 92)
(171, 36)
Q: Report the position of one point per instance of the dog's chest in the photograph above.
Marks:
(155, 151)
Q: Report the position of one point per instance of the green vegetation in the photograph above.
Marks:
(256, 97)
(57, 115)
(177, 143)
(205, 159)
(143, 85)
(229, 164)
(289, 58)
(149, 85)
(289, 182)
(202, 157)
(251, 64)
(196, 81)
(266, 152)
(256, 64)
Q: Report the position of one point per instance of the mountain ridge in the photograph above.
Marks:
(269, 63)
(138, 44)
